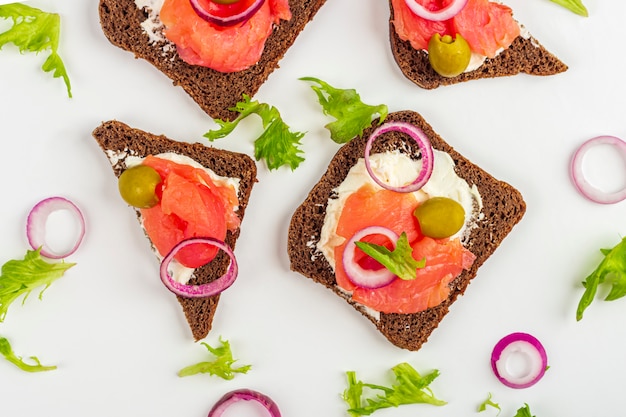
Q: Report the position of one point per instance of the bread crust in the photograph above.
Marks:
(119, 139)
(215, 92)
(503, 208)
(524, 55)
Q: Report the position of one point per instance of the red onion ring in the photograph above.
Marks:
(519, 343)
(203, 290)
(231, 20)
(367, 278)
(247, 395)
(578, 176)
(445, 13)
(36, 225)
(423, 142)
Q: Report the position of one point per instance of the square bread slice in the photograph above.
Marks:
(503, 207)
(215, 92)
(118, 141)
(525, 55)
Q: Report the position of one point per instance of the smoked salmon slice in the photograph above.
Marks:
(191, 205)
(224, 49)
(445, 258)
(487, 26)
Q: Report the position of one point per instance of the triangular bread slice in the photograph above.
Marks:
(118, 141)
(215, 92)
(525, 55)
(503, 207)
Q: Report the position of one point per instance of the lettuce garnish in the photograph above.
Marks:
(489, 402)
(524, 411)
(410, 388)
(36, 31)
(400, 261)
(611, 270)
(7, 351)
(20, 277)
(221, 366)
(353, 116)
(575, 6)
(277, 145)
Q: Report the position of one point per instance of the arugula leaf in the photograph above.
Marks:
(612, 269)
(352, 115)
(18, 277)
(222, 366)
(400, 261)
(34, 30)
(277, 145)
(410, 388)
(523, 412)
(489, 402)
(7, 352)
(575, 6)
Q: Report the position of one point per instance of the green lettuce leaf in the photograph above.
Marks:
(410, 388)
(575, 6)
(20, 277)
(7, 352)
(34, 30)
(489, 402)
(400, 261)
(277, 145)
(221, 366)
(524, 412)
(351, 114)
(611, 270)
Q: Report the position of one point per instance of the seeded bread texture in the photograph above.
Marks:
(525, 55)
(119, 140)
(215, 92)
(503, 208)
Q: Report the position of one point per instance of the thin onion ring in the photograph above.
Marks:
(229, 20)
(578, 176)
(203, 290)
(423, 142)
(367, 278)
(244, 394)
(36, 225)
(445, 13)
(525, 344)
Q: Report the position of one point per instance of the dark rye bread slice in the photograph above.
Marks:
(215, 92)
(525, 55)
(503, 207)
(118, 140)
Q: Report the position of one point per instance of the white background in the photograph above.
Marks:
(119, 337)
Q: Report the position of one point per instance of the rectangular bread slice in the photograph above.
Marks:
(118, 141)
(215, 92)
(525, 55)
(503, 207)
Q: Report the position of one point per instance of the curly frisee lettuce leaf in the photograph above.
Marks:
(575, 6)
(7, 351)
(221, 366)
(410, 388)
(277, 145)
(400, 261)
(20, 277)
(612, 270)
(489, 402)
(351, 114)
(34, 30)
(524, 411)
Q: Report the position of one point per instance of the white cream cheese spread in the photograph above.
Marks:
(152, 26)
(397, 168)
